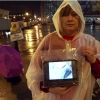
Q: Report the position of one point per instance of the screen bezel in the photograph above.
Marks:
(60, 82)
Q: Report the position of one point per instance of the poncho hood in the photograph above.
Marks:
(77, 8)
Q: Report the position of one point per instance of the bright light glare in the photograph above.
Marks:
(7, 33)
(27, 13)
(37, 33)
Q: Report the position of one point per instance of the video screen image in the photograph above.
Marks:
(60, 70)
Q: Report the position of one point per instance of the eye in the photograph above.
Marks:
(65, 14)
(74, 14)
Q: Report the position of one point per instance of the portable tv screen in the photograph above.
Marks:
(60, 73)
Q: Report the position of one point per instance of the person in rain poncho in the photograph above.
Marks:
(69, 24)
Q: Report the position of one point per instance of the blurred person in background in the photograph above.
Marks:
(17, 79)
(14, 29)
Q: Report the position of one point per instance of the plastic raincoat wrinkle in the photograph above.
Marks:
(54, 41)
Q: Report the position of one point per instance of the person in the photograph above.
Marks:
(69, 24)
(16, 79)
(93, 24)
(14, 30)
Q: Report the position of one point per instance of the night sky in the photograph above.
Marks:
(21, 6)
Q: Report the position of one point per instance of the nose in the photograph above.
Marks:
(70, 18)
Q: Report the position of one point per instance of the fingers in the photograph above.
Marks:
(68, 89)
(60, 90)
(89, 53)
(86, 50)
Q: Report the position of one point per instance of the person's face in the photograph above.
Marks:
(70, 22)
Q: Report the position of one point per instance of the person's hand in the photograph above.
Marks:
(60, 90)
(89, 53)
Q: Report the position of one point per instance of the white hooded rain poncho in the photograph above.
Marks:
(54, 41)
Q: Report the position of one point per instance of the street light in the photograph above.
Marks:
(34, 16)
(14, 17)
(23, 18)
(27, 14)
(47, 19)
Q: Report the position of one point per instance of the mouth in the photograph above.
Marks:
(70, 24)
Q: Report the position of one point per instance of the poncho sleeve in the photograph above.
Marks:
(95, 67)
(34, 73)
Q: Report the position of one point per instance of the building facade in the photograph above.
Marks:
(48, 8)
(91, 9)
(21, 16)
(4, 14)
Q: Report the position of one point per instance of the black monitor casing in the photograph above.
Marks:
(61, 82)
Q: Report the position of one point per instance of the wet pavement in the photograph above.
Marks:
(27, 47)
